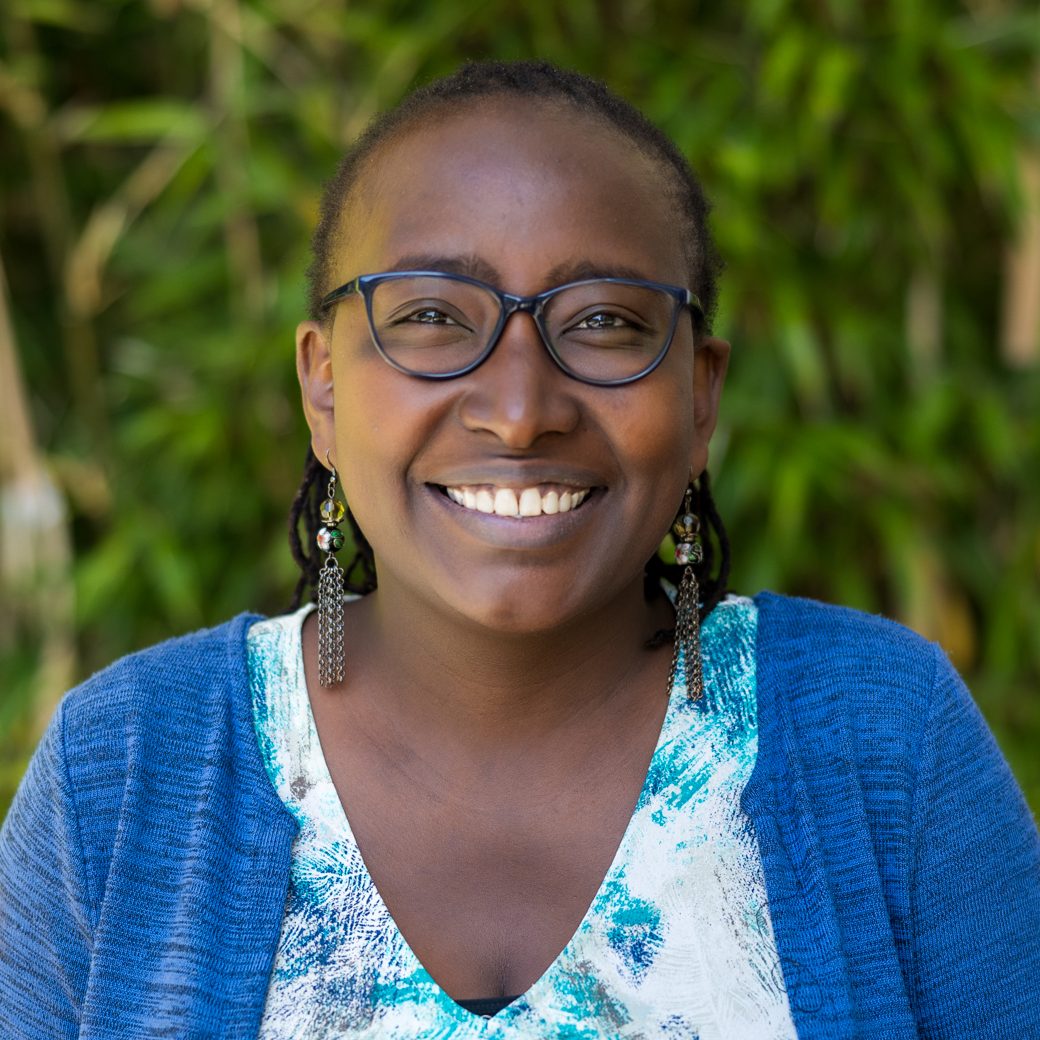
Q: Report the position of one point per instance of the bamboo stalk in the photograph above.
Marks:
(35, 549)
(241, 236)
(1020, 324)
(85, 266)
(924, 320)
(54, 214)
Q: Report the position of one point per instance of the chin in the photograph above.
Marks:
(529, 603)
(514, 616)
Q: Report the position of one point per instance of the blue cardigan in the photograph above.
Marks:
(144, 862)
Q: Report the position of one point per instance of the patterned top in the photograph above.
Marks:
(677, 942)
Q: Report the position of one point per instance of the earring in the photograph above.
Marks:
(688, 551)
(330, 540)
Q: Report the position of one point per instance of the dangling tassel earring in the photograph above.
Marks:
(688, 551)
(330, 588)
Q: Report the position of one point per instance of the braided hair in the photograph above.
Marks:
(531, 80)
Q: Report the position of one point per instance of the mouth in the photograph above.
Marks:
(517, 502)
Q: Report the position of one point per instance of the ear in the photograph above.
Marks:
(709, 374)
(314, 370)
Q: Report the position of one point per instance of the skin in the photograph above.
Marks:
(500, 709)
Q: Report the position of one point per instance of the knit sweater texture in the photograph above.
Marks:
(144, 862)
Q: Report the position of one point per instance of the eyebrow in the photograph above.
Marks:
(579, 270)
(475, 267)
(470, 265)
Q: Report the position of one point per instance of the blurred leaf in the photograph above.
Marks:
(132, 122)
(66, 14)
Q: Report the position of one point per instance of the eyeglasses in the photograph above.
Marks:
(603, 331)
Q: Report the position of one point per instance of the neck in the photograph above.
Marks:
(446, 672)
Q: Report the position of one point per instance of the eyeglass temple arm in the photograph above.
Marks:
(337, 294)
(693, 302)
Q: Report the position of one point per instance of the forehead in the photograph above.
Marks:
(524, 186)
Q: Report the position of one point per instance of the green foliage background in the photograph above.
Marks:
(161, 166)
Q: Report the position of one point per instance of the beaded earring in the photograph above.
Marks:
(330, 540)
(688, 552)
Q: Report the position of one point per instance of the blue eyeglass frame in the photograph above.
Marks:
(509, 303)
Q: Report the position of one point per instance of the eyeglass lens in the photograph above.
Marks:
(599, 330)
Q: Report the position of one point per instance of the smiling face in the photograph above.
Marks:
(525, 197)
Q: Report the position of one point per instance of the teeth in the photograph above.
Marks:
(505, 502)
(521, 502)
(530, 502)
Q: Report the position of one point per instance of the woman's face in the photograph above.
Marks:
(525, 197)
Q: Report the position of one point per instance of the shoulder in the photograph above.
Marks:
(819, 649)
(169, 685)
(158, 728)
(844, 693)
(856, 709)
(152, 753)
(806, 624)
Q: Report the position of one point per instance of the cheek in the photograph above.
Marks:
(654, 441)
(364, 436)
(383, 422)
(657, 433)
(357, 422)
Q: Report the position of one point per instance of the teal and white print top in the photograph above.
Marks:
(676, 943)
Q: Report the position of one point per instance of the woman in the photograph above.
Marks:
(796, 824)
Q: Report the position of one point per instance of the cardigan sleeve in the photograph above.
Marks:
(975, 881)
(45, 932)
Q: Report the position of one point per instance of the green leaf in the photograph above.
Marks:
(132, 122)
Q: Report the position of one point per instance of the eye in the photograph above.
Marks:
(607, 321)
(429, 316)
(602, 320)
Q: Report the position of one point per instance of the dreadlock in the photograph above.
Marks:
(532, 80)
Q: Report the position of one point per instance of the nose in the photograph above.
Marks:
(519, 393)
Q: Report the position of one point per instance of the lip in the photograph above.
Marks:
(511, 532)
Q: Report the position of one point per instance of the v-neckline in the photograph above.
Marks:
(320, 774)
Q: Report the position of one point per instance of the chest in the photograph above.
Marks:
(674, 928)
(488, 878)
